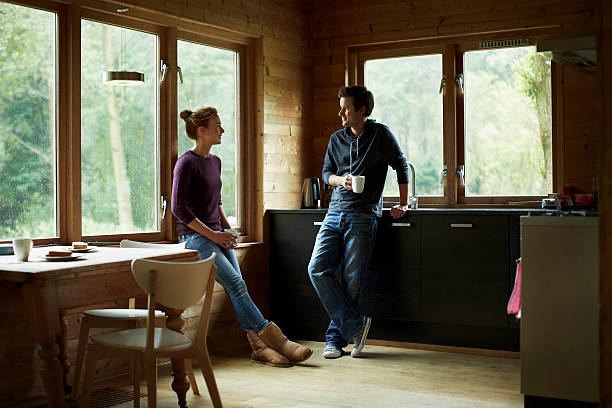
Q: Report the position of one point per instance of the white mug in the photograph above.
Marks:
(22, 247)
(358, 183)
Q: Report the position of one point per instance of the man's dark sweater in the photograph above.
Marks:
(373, 151)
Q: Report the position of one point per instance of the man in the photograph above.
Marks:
(348, 232)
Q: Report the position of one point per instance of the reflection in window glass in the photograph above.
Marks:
(508, 122)
(119, 148)
(209, 76)
(27, 122)
(407, 100)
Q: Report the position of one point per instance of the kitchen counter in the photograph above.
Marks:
(431, 211)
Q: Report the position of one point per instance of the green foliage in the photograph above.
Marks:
(407, 99)
(135, 123)
(27, 133)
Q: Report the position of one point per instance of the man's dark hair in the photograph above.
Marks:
(361, 97)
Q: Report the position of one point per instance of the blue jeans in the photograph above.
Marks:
(230, 277)
(345, 240)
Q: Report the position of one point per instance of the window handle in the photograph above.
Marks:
(461, 173)
(164, 205)
(180, 74)
(442, 83)
(443, 174)
(459, 82)
(165, 67)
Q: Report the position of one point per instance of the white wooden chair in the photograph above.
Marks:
(176, 285)
(120, 319)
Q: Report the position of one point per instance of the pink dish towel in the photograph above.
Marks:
(514, 304)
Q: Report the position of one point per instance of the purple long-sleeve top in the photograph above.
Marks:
(196, 191)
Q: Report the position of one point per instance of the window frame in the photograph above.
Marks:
(241, 95)
(169, 29)
(452, 50)
(120, 21)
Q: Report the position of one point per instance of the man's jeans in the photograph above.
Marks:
(346, 240)
(230, 277)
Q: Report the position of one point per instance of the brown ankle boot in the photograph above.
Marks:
(264, 354)
(274, 337)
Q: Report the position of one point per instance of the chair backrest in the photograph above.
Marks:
(178, 284)
(128, 243)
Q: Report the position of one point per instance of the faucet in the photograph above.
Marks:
(413, 201)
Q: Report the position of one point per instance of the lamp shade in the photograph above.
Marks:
(123, 78)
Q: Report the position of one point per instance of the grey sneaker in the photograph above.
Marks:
(332, 351)
(360, 338)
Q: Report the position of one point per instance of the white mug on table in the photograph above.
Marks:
(22, 247)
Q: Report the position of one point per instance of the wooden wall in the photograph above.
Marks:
(337, 25)
(580, 131)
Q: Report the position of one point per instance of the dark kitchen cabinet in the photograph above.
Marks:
(294, 304)
(465, 269)
(391, 287)
(435, 276)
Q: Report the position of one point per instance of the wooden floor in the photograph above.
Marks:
(383, 377)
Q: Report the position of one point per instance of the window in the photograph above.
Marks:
(508, 122)
(84, 160)
(119, 132)
(474, 118)
(406, 98)
(210, 79)
(28, 132)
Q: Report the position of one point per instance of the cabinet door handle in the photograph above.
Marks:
(318, 223)
(461, 225)
(401, 224)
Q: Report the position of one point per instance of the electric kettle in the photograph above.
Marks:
(311, 193)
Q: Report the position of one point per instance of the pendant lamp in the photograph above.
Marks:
(123, 77)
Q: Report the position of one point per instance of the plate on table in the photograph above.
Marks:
(88, 249)
(63, 258)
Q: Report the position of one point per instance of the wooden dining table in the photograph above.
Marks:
(97, 276)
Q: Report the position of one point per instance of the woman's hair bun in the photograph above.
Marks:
(185, 114)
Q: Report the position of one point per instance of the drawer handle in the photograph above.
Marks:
(401, 224)
(319, 223)
(461, 225)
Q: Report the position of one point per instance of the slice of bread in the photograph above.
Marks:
(79, 245)
(58, 252)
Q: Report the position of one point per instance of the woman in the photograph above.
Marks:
(200, 220)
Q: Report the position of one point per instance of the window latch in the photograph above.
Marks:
(164, 205)
(180, 73)
(442, 83)
(165, 67)
(461, 173)
(443, 174)
(459, 82)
